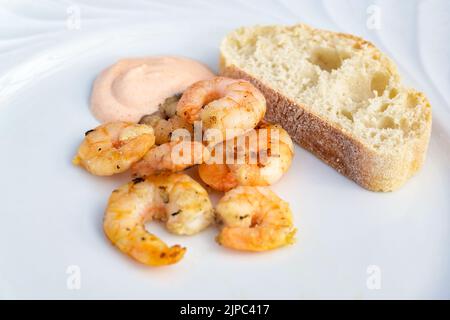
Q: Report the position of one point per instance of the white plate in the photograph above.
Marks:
(348, 238)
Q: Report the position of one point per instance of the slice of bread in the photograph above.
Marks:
(338, 96)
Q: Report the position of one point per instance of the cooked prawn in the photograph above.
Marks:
(266, 152)
(254, 219)
(113, 147)
(228, 105)
(164, 127)
(176, 199)
(165, 121)
(171, 157)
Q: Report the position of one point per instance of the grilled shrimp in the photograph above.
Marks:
(113, 147)
(176, 199)
(165, 121)
(265, 155)
(171, 157)
(228, 105)
(254, 219)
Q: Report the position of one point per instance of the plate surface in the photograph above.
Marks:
(351, 243)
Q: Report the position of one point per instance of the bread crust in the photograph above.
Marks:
(372, 170)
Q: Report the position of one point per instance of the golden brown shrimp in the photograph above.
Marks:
(165, 126)
(113, 147)
(176, 199)
(266, 154)
(165, 121)
(228, 105)
(171, 157)
(254, 219)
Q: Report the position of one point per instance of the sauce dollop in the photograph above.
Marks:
(132, 88)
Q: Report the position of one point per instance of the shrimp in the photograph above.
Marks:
(171, 157)
(165, 126)
(165, 121)
(266, 152)
(113, 147)
(254, 219)
(231, 106)
(175, 199)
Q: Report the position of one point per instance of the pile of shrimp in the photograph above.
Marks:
(250, 216)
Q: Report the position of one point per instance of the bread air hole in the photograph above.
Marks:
(393, 93)
(404, 125)
(328, 59)
(379, 83)
(387, 123)
(357, 46)
(383, 107)
(412, 101)
(347, 114)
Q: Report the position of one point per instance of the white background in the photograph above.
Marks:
(50, 52)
